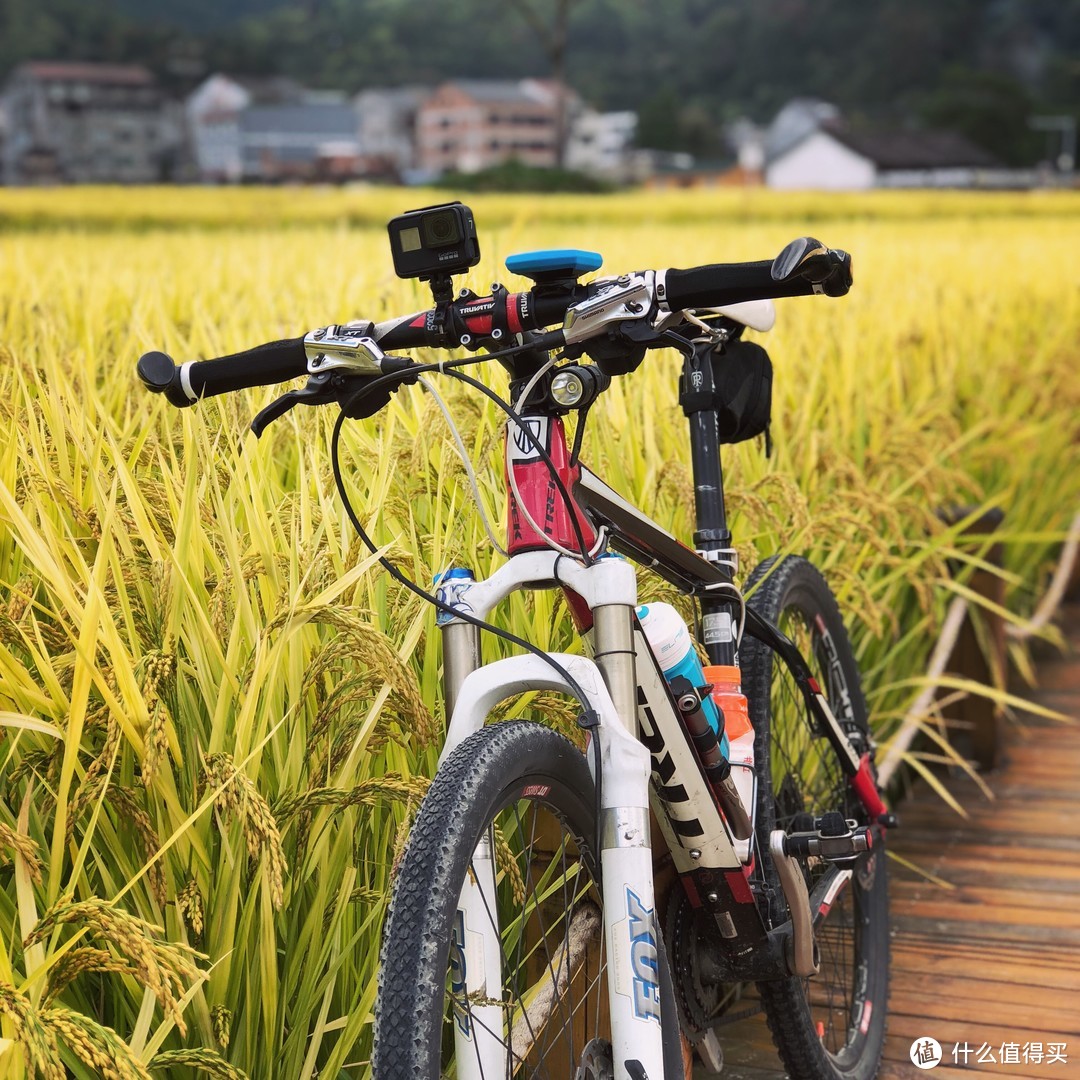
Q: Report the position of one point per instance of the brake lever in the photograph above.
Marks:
(318, 391)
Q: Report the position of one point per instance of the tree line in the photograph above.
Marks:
(982, 67)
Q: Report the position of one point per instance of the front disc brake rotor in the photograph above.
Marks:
(596, 1061)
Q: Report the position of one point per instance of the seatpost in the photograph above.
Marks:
(711, 537)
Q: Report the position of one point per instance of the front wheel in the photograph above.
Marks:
(831, 1026)
(504, 838)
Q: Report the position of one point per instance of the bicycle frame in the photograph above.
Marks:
(641, 739)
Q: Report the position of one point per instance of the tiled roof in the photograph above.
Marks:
(323, 120)
(915, 149)
(82, 71)
(495, 90)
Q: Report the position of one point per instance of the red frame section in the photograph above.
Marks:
(540, 496)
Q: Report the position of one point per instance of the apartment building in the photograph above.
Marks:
(472, 124)
(80, 122)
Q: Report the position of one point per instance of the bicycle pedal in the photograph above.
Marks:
(832, 838)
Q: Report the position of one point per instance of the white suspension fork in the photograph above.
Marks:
(630, 922)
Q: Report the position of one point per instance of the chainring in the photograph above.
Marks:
(701, 1004)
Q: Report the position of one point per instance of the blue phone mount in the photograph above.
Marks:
(554, 264)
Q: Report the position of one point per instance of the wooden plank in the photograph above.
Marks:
(990, 896)
(951, 1011)
(1064, 923)
(977, 987)
(997, 971)
(1024, 858)
(1045, 956)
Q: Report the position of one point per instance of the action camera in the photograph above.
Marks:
(434, 240)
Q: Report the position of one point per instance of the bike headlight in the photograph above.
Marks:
(567, 389)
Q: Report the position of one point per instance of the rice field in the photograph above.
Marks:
(217, 714)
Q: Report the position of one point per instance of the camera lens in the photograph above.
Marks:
(441, 229)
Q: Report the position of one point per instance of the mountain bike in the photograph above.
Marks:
(592, 908)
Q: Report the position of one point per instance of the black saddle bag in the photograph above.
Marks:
(742, 396)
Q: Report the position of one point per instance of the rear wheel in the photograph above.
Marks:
(525, 793)
(830, 1026)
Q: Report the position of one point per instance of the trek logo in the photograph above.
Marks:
(643, 960)
(522, 449)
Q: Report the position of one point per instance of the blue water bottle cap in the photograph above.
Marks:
(455, 573)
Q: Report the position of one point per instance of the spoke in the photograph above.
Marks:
(539, 1015)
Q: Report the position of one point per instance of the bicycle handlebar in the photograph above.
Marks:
(804, 267)
(274, 362)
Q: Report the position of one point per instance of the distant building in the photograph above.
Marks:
(213, 118)
(472, 124)
(831, 158)
(601, 144)
(386, 129)
(87, 123)
(797, 119)
(304, 141)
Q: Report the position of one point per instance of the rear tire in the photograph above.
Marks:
(831, 1026)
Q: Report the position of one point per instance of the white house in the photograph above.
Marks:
(386, 128)
(830, 158)
(213, 117)
(601, 143)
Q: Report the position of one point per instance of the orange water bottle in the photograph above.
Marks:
(726, 682)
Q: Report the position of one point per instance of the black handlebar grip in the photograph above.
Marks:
(274, 362)
(719, 284)
(160, 375)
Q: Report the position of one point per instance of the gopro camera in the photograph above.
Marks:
(434, 240)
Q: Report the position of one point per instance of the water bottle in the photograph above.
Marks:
(673, 648)
(727, 694)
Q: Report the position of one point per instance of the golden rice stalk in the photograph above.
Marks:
(364, 895)
(221, 1022)
(506, 861)
(391, 786)
(36, 1039)
(208, 1061)
(239, 798)
(158, 677)
(21, 596)
(95, 1045)
(189, 904)
(157, 743)
(123, 800)
(26, 846)
(100, 763)
(163, 968)
(361, 645)
(73, 963)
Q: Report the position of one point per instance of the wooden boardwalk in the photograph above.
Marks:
(992, 963)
